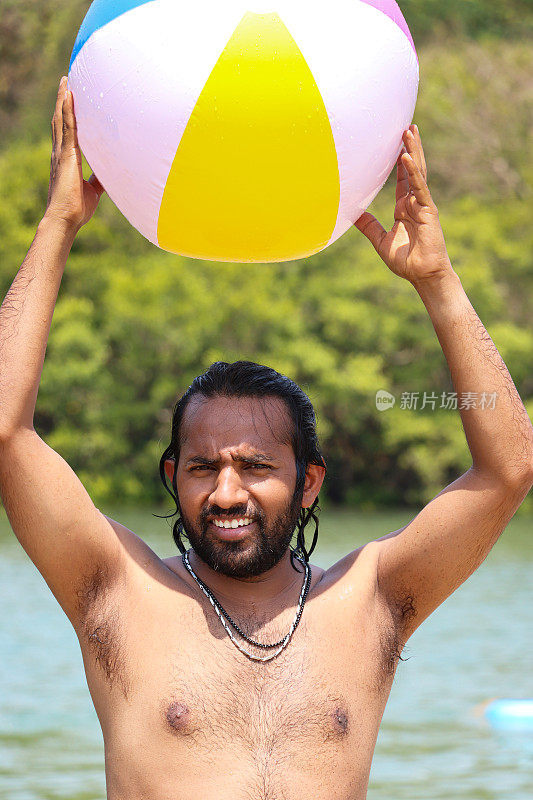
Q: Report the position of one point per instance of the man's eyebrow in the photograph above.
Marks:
(201, 460)
(251, 459)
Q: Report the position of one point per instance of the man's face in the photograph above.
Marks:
(237, 466)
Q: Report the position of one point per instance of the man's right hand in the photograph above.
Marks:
(71, 199)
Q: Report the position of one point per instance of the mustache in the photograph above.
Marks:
(234, 511)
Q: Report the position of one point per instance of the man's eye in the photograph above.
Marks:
(201, 467)
(259, 466)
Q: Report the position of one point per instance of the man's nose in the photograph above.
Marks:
(229, 490)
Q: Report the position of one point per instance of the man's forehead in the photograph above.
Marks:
(216, 422)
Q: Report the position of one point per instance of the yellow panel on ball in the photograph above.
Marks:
(255, 176)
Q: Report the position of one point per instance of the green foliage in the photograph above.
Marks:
(133, 325)
(431, 19)
(475, 111)
(36, 39)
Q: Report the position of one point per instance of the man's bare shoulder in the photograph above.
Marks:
(356, 575)
(359, 565)
(142, 563)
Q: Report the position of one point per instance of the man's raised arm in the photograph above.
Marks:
(65, 535)
(421, 564)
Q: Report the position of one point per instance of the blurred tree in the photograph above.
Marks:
(431, 19)
(475, 112)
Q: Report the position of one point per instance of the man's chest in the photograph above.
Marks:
(171, 670)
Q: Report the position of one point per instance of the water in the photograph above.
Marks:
(432, 744)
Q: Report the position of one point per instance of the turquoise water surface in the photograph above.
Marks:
(434, 744)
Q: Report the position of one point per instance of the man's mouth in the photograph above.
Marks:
(240, 522)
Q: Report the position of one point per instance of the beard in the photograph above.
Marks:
(242, 559)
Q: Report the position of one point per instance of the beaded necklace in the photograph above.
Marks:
(223, 614)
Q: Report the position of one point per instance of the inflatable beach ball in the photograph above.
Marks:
(233, 130)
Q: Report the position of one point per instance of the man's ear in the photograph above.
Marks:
(169, 469)
(314, 476)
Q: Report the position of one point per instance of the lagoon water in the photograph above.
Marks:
(434, 743)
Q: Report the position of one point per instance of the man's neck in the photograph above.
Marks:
(276, 584)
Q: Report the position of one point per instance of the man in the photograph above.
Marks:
(238, 669)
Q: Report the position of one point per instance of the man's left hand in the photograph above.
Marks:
(414, 248)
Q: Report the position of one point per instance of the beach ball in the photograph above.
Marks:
(233, 130)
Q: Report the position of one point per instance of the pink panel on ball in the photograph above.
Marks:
(392, 10)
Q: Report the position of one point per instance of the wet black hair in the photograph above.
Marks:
(248, 379)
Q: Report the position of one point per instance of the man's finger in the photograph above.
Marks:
(411, 146)
(97, 186)
(57, 119)
(70, 133)
(402, 178)
(422, 156)
(417, 183)
(372, 229)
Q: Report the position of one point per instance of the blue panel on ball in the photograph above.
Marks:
(99, 14)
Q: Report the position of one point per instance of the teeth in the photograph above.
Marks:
(234, 523)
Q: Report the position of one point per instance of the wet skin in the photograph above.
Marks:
(184, 714)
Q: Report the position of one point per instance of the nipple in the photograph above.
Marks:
(178, 716)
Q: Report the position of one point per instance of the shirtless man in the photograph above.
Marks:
(185, 713)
